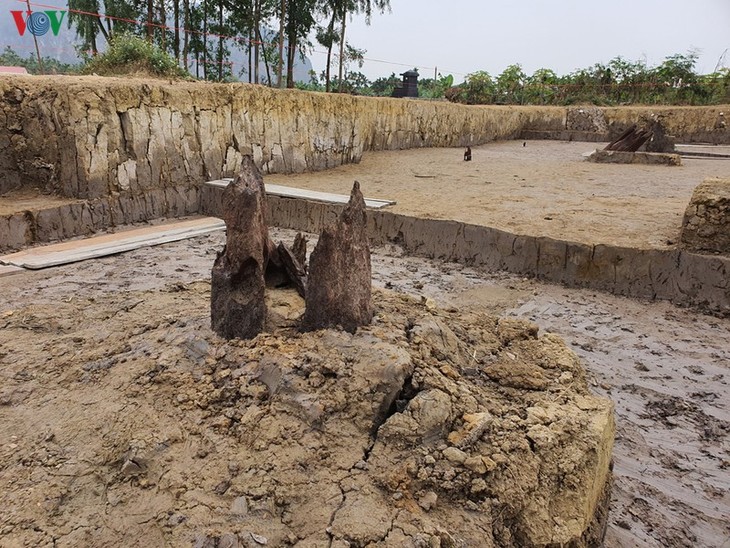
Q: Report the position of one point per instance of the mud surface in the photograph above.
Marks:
(545, 188)
(125, 420)
(117, 421)
(667, 371)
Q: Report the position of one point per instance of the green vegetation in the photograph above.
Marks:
(50, 66)
(620, 82)
(201, 34)
(130, 54)
(157, 36)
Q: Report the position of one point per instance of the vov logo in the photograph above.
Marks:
(38, 23)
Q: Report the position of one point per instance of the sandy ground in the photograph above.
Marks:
(665, 368)
(545, 188)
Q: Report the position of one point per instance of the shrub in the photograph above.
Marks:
(130, 54)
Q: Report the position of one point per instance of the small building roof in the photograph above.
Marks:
(12, 70)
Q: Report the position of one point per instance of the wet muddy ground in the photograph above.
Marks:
(666, 369)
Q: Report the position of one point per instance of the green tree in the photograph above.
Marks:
(383, 87)
(337, 11)
(50, 65)
(131, 54)
(87, 26)
(510, 84)
(299, 22)
(478, 89)
(542, 87)
(434, 88)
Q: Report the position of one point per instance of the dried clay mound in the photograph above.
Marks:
(426, 428)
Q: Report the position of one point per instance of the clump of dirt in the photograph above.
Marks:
(125, 417)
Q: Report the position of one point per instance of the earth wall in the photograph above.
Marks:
(683, 277)
(90, 137)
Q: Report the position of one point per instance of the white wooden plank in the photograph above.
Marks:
(305, 194)
(110, 244)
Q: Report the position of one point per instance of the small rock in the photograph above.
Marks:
(428, 501)
(131, 468)
(518, 374)
(176, 519)
(454, 455)
(258, 539)
(476, 464)
(566, 377)
(222, 487)
(239, 507)
(202, 540)
(429, 303)
(478, 486)
(229, 540)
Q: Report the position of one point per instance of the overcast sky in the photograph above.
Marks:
(463, 36)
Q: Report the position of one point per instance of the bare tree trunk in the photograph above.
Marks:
(291, 52)
(342, 44)
(266, 56)
(163, 23)
(281, 45)
(220, 40)
(251, 36)
(186, 36)
(256, 18)
(176, 16)
(103, 30)
(150, 17)
(205, 39)
(330, 32)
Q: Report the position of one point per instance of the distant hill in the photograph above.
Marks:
(62, 47)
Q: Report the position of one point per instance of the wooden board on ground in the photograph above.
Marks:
(110, 244)
(291, 192)
(7, 270)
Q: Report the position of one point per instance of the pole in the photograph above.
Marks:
(35, 40)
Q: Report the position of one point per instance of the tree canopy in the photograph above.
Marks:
(202, 35)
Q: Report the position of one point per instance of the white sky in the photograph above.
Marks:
(463, 36)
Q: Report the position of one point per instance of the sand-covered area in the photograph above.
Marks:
(545, 188)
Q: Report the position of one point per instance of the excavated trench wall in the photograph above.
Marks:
(590, 123)
(680, 276)
(92, 137)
